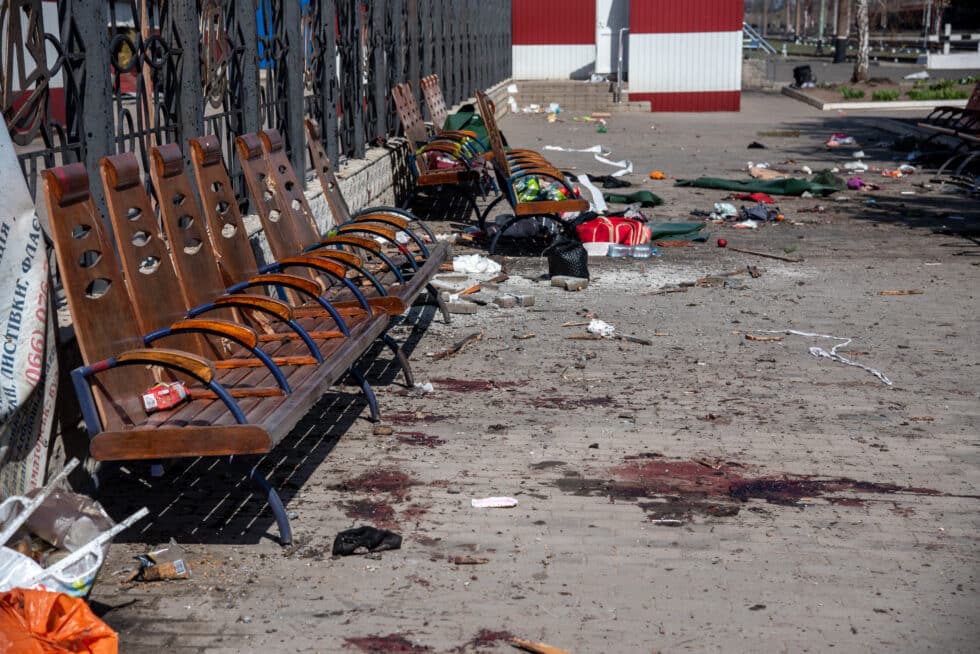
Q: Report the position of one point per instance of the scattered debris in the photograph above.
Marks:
(493, 503)
(601, 328)
(665, 291)
(523, 337)
(422, 388)
(458, 346)
(475, 264)
(765, 338)
(570, 283)
(163, 564)
(902, 292)
(767, 255)
(382, 430)
(462, 308)
(365, 539)
(468, 560)
(537, 648)
(832, 354)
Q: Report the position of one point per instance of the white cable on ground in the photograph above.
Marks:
(832, 355)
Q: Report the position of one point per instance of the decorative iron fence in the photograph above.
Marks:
(80, 79)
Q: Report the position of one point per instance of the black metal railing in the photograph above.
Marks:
(115, 75)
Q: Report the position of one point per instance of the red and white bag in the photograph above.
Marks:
(621, 230)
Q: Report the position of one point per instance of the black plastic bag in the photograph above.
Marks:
(803, 75)
(567, 257)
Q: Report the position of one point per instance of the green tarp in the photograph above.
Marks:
(645, 198)
(661, 230)
(466, 119)
(790, 186)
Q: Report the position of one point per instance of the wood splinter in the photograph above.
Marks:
(458, 346)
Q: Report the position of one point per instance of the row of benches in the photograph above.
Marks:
(257, 344)
(480, 163)
(962, 125)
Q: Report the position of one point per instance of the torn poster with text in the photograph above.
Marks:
(28, 354)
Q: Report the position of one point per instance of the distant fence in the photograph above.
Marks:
(84, 78)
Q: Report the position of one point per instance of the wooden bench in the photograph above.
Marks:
(186, 282)
(510, 169)
(433, 253)
(949, 120)
(447, 162)
(119, 367)
(282, 207)
(440, 117)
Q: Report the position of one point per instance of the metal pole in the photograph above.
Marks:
(328, 79)
(190, 104)
(291, 106)
(821, 21)
(96, 99)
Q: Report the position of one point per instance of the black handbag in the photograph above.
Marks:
(567, 257)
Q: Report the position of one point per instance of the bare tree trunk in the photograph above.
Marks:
(840, 38)
(765, 18)
(796, 24)
(861, 64)
(789, 18)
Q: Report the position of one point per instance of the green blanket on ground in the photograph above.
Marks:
(789, 186)
(645, 198)
(661, 230)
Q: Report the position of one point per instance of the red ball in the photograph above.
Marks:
(722, 242)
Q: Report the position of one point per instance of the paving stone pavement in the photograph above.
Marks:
(630, 463)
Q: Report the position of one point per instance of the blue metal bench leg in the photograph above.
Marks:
(368, 392)
(402, 360)
(275, 503)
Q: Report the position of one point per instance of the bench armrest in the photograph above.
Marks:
(196, 366)
(241, 334)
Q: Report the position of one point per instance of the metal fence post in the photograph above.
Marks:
(248, 92)
(379, 69)
(412, 41)
(290, 34)
(190, 104)
(98, 133)
(329, 123)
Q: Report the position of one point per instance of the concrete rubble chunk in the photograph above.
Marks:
(570, 283)
(463, 307)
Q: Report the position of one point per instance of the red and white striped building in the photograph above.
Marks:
(553, 39)
(683, 55)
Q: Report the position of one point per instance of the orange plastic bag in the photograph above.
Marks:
(41, 622)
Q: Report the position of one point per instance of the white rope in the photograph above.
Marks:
(819, 352)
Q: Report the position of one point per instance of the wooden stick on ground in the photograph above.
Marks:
(458, 346)
(665, 291)
(766, 255)
(537, 648)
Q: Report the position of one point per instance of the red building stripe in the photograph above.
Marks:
(693, 101)
(553, 22)
(671, 16)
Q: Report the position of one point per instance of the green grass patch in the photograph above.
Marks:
(849, 93)
(938, 94)
(885, 95)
